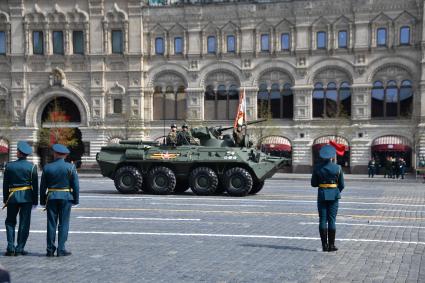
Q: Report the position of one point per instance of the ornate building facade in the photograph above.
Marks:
(348, 71)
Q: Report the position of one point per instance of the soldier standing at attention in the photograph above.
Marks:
(329, 179)
(20, 194)
(59, 190)
(172, 136)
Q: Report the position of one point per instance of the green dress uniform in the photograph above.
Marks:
(59, 190)
(329, 179)
(20, 193)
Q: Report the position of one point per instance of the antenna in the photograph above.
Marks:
(163, 116)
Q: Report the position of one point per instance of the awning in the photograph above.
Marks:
(391, 143)
(276, 143)
(4, 149)
(326, 139)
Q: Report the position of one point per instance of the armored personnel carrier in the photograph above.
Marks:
(214, 166)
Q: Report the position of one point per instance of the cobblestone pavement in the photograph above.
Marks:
(270, 237)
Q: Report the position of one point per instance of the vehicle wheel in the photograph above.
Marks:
(161, 180)
(258, 186)
(203, 181)
(181, 186)
(238, 182)
(128, 180)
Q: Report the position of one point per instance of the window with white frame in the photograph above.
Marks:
(265, 42)
(178, 45)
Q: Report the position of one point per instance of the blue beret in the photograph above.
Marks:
(60, 148)
(327, 152)
(24, 147)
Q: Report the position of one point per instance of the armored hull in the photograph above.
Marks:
(206, 170)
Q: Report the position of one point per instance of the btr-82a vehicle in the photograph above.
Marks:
(214, 166)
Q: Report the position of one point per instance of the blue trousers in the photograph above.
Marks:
(24, 210)
(328, 210)
(58, 210)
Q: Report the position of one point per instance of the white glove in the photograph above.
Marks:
(75, 205)
(43, 206)
(34, 206)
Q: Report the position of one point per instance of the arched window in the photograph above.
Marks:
(276, 103)
(378, 94)
(331, 102)
(391, 100)
(344, 100)
(169, 103)
(406, 99)
(318, 101)
(263, 102)
(209, 103)
(221, 104)
(288, 102)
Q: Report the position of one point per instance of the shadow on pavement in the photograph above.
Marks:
(278, 247)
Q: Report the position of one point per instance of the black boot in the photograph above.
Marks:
(324, 239)
(331, 235)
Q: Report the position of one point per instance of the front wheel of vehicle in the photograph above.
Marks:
(238, 182)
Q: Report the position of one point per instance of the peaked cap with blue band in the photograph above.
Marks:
(60, 148)
(327, 152)
(24, 147)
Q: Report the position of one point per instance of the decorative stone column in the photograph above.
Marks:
(195, 104)
(301, 155)
(251, 103)
(359, 155)
(360, 102)
(148, 103)
(302, 102)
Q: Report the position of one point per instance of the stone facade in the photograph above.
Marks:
(139, 76)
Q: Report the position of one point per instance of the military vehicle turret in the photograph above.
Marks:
(216, 165)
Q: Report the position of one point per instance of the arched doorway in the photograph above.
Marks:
(343, 160)
(60, 120)
(277, 146)
(391, 146)
(4, 153)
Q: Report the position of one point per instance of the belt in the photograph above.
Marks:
(51, 190)
(327, 186)
(13, 190)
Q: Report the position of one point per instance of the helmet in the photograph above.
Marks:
(173, 126)
(185, 126)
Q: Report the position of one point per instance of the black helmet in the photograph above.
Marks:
(185, 126)
(173, 126)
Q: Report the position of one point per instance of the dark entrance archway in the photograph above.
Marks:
(60, 120)
(343, 160)
(277, 146)
(394, 147)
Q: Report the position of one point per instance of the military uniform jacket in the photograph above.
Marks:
(20, 173)
(171, 138)
(59, 175)
(328, 173)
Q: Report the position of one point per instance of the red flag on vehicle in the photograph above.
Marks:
(340, 148)
(241, 115)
